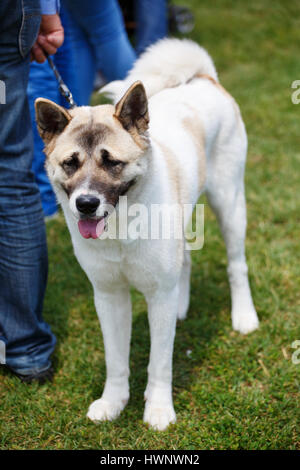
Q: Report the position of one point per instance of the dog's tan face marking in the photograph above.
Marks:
(90, 136)
(99, 163)
(98, 150)
(108, 183)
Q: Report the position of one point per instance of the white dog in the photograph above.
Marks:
(173, 134)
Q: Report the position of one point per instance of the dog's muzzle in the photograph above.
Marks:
(89, 225)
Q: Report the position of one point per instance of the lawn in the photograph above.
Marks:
(230, 392)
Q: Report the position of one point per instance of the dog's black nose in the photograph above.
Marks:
(87, 204)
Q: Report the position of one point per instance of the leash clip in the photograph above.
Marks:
(64, 90)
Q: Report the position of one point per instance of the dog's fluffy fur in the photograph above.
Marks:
(195, 142)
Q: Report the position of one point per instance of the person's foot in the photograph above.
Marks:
(41, 377)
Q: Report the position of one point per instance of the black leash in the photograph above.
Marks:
(64, 90)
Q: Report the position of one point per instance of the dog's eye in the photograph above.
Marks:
(71, 164)
(109, 161)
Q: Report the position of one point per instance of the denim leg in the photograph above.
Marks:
(42, 83)
(81, 59)
(102, 23)
(152, 22)
(23, 249)
(65, 59)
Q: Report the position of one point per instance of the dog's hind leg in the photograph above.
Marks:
(114, 311)
(228, 202)
(184, 286)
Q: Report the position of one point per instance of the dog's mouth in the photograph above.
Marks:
(92, 227)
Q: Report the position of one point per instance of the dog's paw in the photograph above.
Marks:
(245, 322)
(159, 418)
(103, 410)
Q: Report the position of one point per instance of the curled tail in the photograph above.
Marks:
(166, 64)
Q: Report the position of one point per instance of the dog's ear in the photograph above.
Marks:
(51, 118)
(132, 109)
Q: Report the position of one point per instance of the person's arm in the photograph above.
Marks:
(51, 34)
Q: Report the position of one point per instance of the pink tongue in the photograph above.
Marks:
(91, 228)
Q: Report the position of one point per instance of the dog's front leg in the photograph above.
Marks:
(114, 312)
(162, 313)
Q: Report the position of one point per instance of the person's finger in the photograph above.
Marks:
(45, 45)
(56, 38)
(38, 54)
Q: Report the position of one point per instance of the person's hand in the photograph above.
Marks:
(50, 38)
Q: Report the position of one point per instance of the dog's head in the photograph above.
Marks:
(95, 154)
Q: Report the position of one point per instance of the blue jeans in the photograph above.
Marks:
(152, 22)
(100, 42)
(42, 83)
(23, 249)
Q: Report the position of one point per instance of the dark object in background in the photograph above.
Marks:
(181, 19)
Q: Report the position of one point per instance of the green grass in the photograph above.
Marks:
(232, 392)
